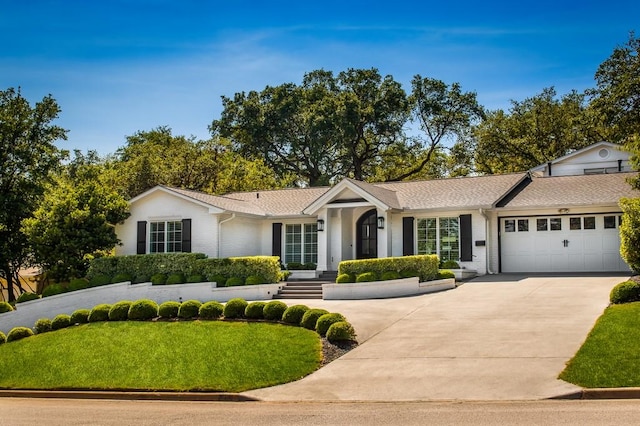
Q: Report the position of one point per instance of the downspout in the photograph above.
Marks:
(233, 216)
(487, 228)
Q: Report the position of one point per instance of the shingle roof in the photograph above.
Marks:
(388, 196)
(281, 202)
(222, 202)
(574, 191)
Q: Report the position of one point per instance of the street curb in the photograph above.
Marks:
(603, 393)
(124, 395)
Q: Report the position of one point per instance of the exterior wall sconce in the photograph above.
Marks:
(563, 211)
(320, 225)
(380, 222)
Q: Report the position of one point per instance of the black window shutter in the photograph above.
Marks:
(466, 243)
(142, 238)
(407, 236)
(186, 235)
(276, 241)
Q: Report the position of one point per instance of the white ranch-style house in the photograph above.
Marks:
(562, 216)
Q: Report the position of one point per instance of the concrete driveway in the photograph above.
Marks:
(503, 337)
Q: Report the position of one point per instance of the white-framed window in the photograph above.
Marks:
(165, 237)
(439, 236)
(301, 243)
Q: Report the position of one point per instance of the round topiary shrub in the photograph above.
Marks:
(235, 308)
(450, 264)
(625, 292)
(234, 281)
(211, 310)
(80, 316)
(189, 309)
(78, 284)
(60, 321)
(310, 318)
(445, 273)
(195, 279)
(99, 313)
(120, 311)
(18, 333)
(220, 280)
(52, 289)
(366, 277)
(141, 278)
(27, 296)
(99, 280)
(3, 338)
(345, 278)
(409, 273)
(42, 325)
(390, 275)
(5, 307)
(293, 314)
(254, 310)
(175, 279)
(158, 279)
(254, 280)
(325, 321)
(274, 310)
(121, 278)
(341, 332)
(143, 309)
(169, 309)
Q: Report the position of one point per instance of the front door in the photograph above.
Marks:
(367, 236)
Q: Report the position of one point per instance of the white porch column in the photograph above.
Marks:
(384, 235)
(323, 241)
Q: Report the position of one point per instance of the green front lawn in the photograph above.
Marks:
(194, 355)
(610, 357)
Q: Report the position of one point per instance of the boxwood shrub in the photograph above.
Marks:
(121, 277)
(254, 310)
(3, 338)
(42, 325)
(120, 311)
(390, 275)
(189, 309)
(450, 264)
(100, 313)
(53, 289)
(254, 280)
(169, 309)
(326, 320)
(345, 278)
(211, 310)
(5, 307)
(27, 296)
(78, 284)
(99, 280)
(220, 280)
(60, 321)
(18, 333)
(80, 316)
(409, 273)
(294, 313)
(235, 308)
(341, 332)
(197, 278)
(366, 277)
(425, 265)
(158, 279)
(234, 282)
(176, 279)
(310, 318)
(274, 310)
(143, 309)
(141, 278)
(625, 292)
(445, 273)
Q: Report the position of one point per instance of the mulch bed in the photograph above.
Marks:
(332, 351)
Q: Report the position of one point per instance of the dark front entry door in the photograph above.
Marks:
(367, 235)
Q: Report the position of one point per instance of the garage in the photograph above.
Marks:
(561, 243)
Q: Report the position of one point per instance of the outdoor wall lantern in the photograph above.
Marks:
(320, 225)
(380, 222)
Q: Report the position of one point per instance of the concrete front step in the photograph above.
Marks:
(300, 290)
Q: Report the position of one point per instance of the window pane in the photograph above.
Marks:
(542, 224)
(609, 222)
(426, 241)
(156, 237)
(575, 223)
(523, 225)
(310, 243)
(589, 222)
(449, 239)
(510, 225)
(556, 224)
(293, 243)
(174, 237)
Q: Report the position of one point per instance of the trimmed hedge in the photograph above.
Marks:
(176, 279)
(42, 325)
(211, 310)
(189, 309)
(18, 333)
(310, 318)
(235, 308)
(159, 279)
(450, 264)
(169, 309)
(234, 282)
(120, 311)
(293, 314)
(366, 277)
(254, 280)
(99, 280)
(197, 278)
(390, 275)
(52, 290)
(341, 332)
(3, 338)
(220, 280)
(80, 316)
(27, 296)
(78, 284)
(60, 321)
(5, 307)
(143, 309)
(326, 320)
(254, 310)
(425, 265)
(121, 278)
(99, 313)
(625, 292)
(445, 273)
(274, 310)
(345, 278)
(297, 266)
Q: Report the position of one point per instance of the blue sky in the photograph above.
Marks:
(116, 67)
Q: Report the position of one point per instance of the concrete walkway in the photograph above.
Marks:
(500, 337)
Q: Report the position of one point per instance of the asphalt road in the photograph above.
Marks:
(19, 411)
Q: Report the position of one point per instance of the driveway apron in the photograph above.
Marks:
(502, 337)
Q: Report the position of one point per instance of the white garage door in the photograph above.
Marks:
(581, 243)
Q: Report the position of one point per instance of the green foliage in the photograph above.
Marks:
(100, 313)
(310, 318)
(52, 290)
(175, 279)
(78, 284)
(120, 311)
(211, 310)
(3, 338)
(409, 273)
(234, 282)
(445, 273)
(141, 278)
(80, 316)
(425, 265)
(159, 279)
(254, 280)
(450, 264)
(197, 278)
(390, 275)
(297, 266)
(169, 309)
(625, 292)
(18, 333)
(122, 277)
(267, 267)
(326, 320)
(341, 332)
(630, 232)
(42, 325)
(220, 280)
(366, 277)
(189, 309)
(345, 278)
(27, 296)
(274, 310)
(5, 307)
(235, 308)
(99, 280)
(60, 321)
(143, 309)
(294, 314)
(254, 310)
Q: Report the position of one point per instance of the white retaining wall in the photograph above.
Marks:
(384, 289)
(27, 313)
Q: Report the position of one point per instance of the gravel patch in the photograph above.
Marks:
(332, 351)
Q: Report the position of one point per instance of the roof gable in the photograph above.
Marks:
(357, 191)
(601, 155)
